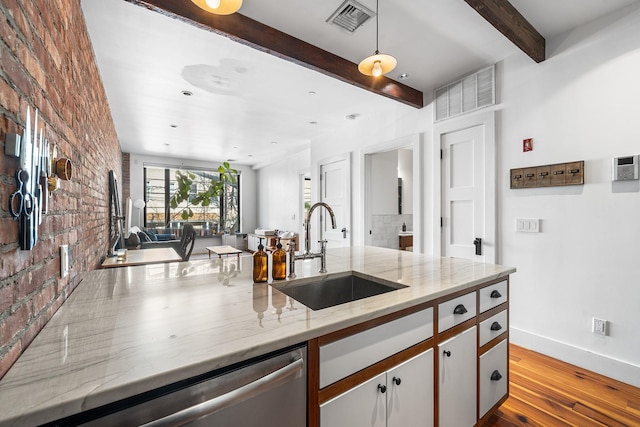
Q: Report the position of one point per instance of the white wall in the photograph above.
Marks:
(384, 183)
(403, 126)
(279, 193)
(248, 200)
(580, 104)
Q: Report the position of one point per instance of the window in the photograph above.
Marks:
(222, 215)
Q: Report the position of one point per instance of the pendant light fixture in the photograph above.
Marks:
(219, 7)
(378, 63)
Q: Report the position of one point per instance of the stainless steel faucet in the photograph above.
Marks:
(307, 254)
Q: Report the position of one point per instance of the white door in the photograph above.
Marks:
(363, 405)
(410, 392)
(457, 380)
(335, 190)
(464, 213)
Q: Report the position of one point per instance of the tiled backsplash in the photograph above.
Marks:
(385, 229)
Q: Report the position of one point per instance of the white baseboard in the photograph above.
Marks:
(604, 365)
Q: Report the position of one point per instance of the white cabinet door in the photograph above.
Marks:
(362, 406)
(457, 380)
(410, 392)
(494, 373)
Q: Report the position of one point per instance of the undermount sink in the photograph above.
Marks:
(329, 291)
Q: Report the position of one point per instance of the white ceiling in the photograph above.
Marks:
(245, 100)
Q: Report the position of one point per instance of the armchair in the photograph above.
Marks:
(183, 247)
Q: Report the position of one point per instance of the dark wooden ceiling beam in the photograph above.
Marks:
(506, 19)
(266, 39)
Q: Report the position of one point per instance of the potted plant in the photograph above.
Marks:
(211, 194)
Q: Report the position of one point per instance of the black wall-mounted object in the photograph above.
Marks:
(478, 244)
(116, 226)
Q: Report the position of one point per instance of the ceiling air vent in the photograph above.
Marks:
(468, 94)
(350, 15)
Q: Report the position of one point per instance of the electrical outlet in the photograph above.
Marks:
(600, 326)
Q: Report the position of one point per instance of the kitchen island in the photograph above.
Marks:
(129, 330)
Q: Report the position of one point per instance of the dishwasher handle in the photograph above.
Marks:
(238, 395)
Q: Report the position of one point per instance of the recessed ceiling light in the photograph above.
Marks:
(403, 76)
(249, 155)
(312, 92)
(231, 160)
(187, 93)
(167, 144)
(235, 147)
(351, 116)
(274, 142)
(313, 123)
(174, 126)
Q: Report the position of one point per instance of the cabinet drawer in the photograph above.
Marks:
(347, 356)
(492, 295)
(456, 311)
(492, 327)
(494, 376)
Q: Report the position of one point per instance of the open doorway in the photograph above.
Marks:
(390, 188)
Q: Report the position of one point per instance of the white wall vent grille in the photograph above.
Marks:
(350, 15)
(470, 93)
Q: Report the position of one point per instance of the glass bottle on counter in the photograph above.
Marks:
(260, 264)
(279, 263)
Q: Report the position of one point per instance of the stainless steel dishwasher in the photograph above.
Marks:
(265, 392)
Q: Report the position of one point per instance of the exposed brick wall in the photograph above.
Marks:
(47, 62)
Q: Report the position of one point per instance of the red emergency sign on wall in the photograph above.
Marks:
(527, 145)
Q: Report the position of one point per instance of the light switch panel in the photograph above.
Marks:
(528, 225)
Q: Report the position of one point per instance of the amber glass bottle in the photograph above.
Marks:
(279, 263)
(260, 261)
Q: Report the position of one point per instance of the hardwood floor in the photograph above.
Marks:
(547, 392)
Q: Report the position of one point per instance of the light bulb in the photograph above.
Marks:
(213, 4)
(376, 70)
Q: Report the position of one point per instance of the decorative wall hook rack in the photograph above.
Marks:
(571, 173)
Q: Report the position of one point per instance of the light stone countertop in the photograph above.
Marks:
(124, 331)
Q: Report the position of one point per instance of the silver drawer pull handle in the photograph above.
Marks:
(238, 395)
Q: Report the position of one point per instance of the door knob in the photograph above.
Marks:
(478, 244)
